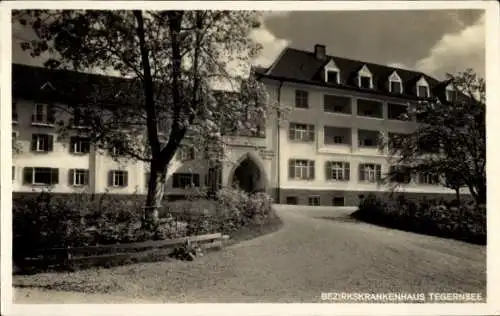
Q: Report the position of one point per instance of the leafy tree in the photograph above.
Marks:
(169, 62)
(450, 141)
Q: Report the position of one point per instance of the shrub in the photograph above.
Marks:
(464, 222)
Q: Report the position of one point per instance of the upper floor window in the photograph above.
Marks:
(301, 169)
(395, 83)
(301, 99)
(186, 153)
(332, 76)
(14, 139)
(43, 114)
(397, 111)
(370, 172)
(451, 93)
(368, 138)
(337, 170)
(42, 142)
(369, 108)
(301, 132)
(14, 112)
(365, 78)
(337, 135)
(399, 176)
(423, 88)
(79, 145)
(337, 104)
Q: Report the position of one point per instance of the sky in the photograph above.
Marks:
(435, 42)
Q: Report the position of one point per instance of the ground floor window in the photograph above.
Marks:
(301, 169)
(370, 172)
(118, 178)
(291, 200)
(338, 201)
(41, 176)
(79, 177)
(183, 180)
(314, 200)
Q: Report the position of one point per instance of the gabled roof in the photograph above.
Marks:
(303, 67)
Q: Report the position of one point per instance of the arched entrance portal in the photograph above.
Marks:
(248, 177)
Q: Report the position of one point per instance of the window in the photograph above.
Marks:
(186, 153)
(336, 104)
(427, 178)
(183, 180)
(332, 76)
(79, 145)
(368, 138)
(397, 111)
(41, 176)
(338, 201)
(117, 149)
(78, 119)
(301, 132)
(370, 172)
(14, 139)
(118, 178)
(13, 173)
(337, 135)
(301, 99)
(292, 200)
(78, 177)
(365, 82)
(422, 91)
(395, 141)
(301, 169)
(399, 176)
(314, 200)
(42, 142)
(451, 94)
(369, 108)
(337, 170)
(14, 112)
(396, 87)
(43, 114)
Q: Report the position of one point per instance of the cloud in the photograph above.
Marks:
(271, 46)
(455, 52)
(399, 65)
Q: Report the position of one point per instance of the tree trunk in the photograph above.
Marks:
(156, 189)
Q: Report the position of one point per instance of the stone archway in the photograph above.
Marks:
(249, 176)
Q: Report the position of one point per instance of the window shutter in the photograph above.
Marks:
(51, 116)
(34, 139)
(50, 143)
(86, 177)
(28, 175)
(125, 178)
(311, 132)
(328, 172)
(110, 178)
(54, 176)
(196, 180)
(378, 171)
(71, 174)
(347, 171)
(311, 169)
(362, 172)
(86, 146)
(72, 142)
(291, 169)
(291, 132)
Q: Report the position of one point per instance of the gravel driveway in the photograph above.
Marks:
(308, 256)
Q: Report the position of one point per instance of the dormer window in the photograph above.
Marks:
(423, 88)
(365, 79)
(451, 93)
(332, 73)
(395, 84)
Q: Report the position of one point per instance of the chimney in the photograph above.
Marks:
(320, 51)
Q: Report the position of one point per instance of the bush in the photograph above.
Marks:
(465, 222)
(48, 220)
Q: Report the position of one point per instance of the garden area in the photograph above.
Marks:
(43, 222)
(461, 221)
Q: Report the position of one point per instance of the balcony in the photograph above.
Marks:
(43, 121)
(370, 108)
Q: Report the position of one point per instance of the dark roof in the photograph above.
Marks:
(303, 67)
(39, 83)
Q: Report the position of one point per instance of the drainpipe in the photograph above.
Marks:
(278, 189)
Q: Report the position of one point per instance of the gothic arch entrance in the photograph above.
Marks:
(249, 176)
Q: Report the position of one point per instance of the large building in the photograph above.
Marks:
(326, 152)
